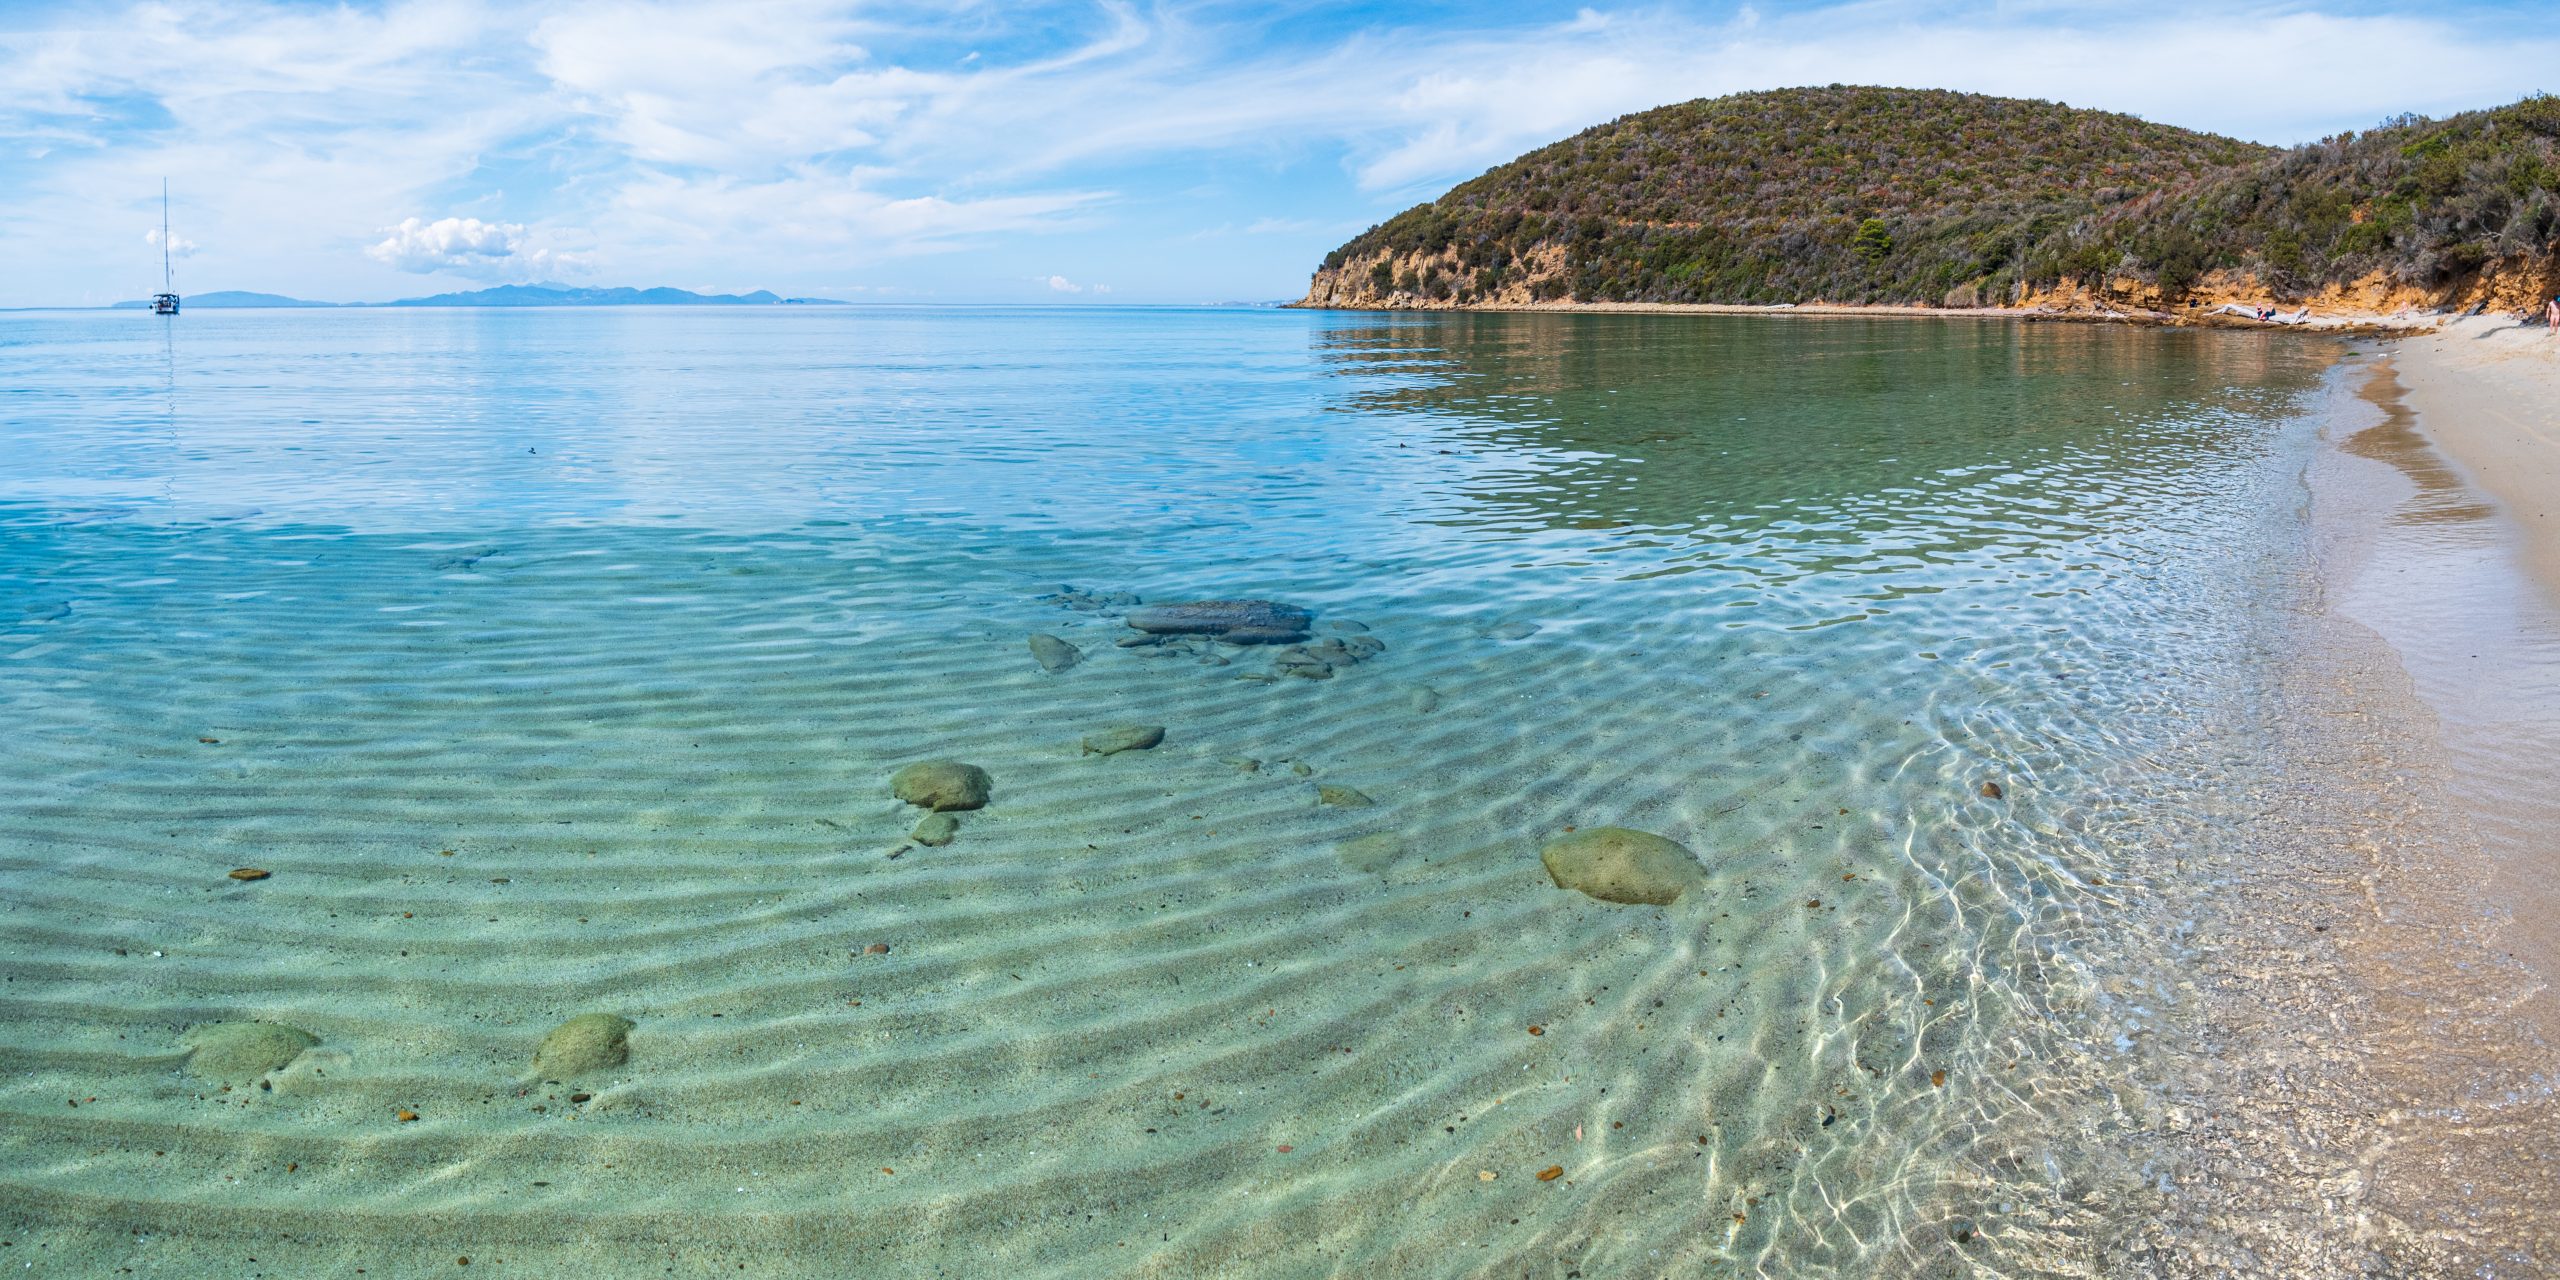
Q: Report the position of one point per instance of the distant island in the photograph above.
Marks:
(1917, 197)
(231, 298)
(513, 295)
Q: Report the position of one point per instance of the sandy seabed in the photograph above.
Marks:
(1169, 1007)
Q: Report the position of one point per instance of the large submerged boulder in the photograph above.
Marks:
(1615, 864)
(1052, 653)
(1234, 621)
(238, 1052)
(1128, 737)
(942, 784)
(1371, 854)
(584, 1044)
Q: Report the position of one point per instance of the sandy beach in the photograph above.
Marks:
(2475, 610)
(2396, 1054)
(2487, 392)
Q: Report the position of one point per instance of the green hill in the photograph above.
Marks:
(2459, 211)
(1848, 194)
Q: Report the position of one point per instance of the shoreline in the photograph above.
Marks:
(2473, 604)
(2486, 390)
(2346, 324)
(2381, 1009)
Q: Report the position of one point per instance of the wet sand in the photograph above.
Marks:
(2487, 393)
(2468, 591)
(2376, 1093)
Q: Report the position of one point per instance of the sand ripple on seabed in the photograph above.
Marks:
(1139, 1017)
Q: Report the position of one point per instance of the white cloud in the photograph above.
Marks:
(179, 246)
(763, 141)
(728, 86)
(1061, 284)
(470, 247)
(283, 132)
(836, 218)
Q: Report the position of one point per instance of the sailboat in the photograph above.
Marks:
(165, 302)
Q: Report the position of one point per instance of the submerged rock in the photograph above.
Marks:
(1615, 864)
(942, 784)
(1370, 854)
(1263, 635)
(1347, 797)
(1296, 660)
(586, 1043)
(1068, 597)
(1321, 660)
(935, 830)
(236, 1052)
(1128, 737)
(1234, 621)
(310, 1072)
(1052, 653)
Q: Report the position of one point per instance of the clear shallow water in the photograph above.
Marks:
(556, 662)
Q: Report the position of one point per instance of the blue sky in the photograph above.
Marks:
(1087, 152)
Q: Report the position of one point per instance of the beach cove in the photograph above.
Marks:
(2083, 884)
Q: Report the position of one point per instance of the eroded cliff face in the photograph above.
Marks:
(1440, 282)
(1436, 282)
(2519, 284)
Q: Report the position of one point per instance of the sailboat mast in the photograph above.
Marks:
(165, 302)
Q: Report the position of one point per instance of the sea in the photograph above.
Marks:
(557, 663)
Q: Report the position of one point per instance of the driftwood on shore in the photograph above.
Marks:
(2267, 315)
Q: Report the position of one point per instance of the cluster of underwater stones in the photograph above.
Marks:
(1205, 631)
(1609, 864)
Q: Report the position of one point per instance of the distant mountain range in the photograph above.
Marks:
(231, 298)
(512, 295)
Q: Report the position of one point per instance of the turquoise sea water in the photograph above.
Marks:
(556, 662)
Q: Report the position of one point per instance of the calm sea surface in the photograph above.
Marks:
(556, 663)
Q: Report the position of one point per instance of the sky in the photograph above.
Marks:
(1004, 153)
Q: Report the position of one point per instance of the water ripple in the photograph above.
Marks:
(556, 663)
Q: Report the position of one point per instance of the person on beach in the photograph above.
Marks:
(2551, 316)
